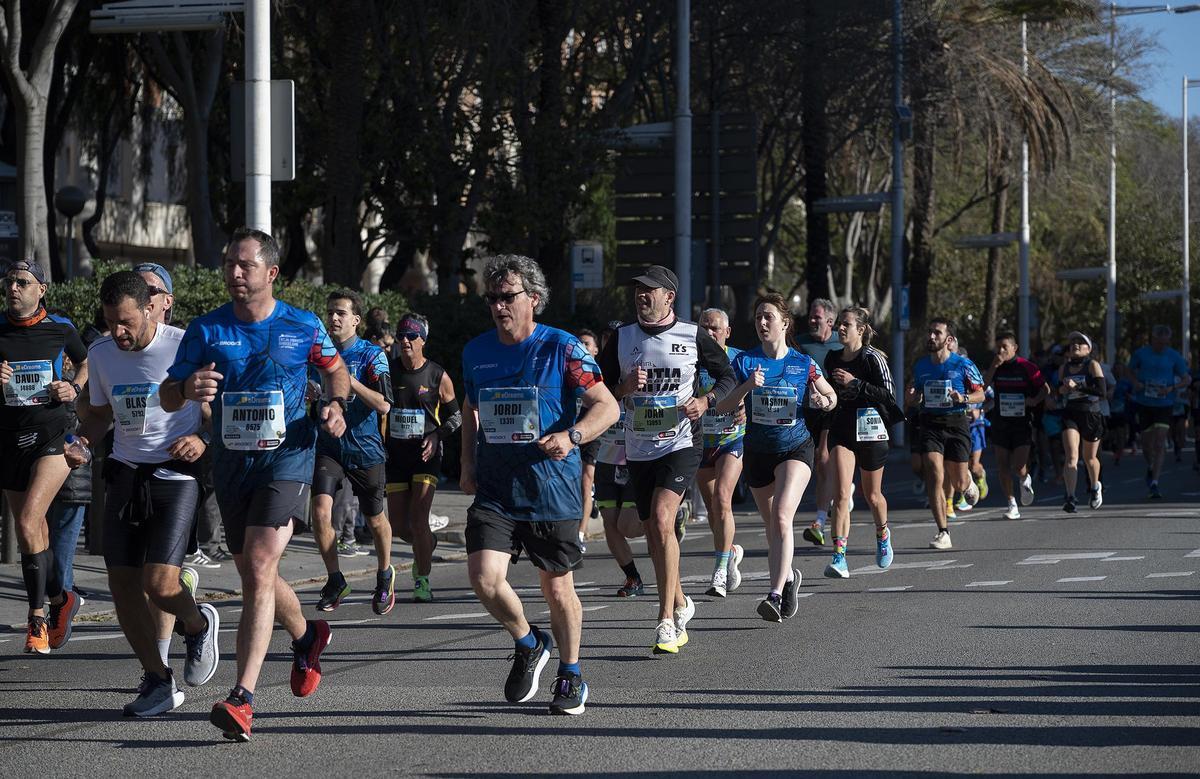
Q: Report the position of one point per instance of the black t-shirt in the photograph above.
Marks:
(875, 388)
(34, 348)
(419, 389)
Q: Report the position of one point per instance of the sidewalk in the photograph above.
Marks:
(300, 566)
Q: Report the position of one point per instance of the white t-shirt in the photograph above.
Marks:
(128, 382)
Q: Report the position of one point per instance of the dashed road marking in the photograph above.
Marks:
(1123, 559)
(1195, 553)
(1168, 574)
(890, 589)
(997, 583)
(443, 617)
(1073, 579)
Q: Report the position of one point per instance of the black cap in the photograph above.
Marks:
(26, 265)
(657, 276)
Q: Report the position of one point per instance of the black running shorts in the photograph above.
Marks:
(868, 455)
(366, 483)
(147, 519)
(612, 488)
(551, 546)
(22, 448)
(273, 505)
(405, 466)
(1153, 416)
(760, 466)
(946, 434)
(1013, 434)
(1090, 424)
(674, 471)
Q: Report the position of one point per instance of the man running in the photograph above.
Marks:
(944, 384)
(423, 416)
(721, 467)
(33, 423)
(519, 458)
(1159, 373)
(653, 367)
(249, 359)
(356, 456)
(1019, 388)
(151, 490)
(817, 343)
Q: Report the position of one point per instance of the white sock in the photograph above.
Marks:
(822, 515)
(164, 650)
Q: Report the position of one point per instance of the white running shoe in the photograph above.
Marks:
(971, 493)
(1013, 512)
(735, 575)
(438, 522)
(941, 540)
(682, 617)
(1027, 490)
(665, 639)
(1097, 494)
(720, 577)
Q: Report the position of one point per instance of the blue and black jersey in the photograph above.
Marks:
(34, 348)
(361, 446)
(935, 380)
(787, 382)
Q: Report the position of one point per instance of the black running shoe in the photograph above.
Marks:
(332, 594)
(527, 668)
(570, 694)
(789, 603)
(1069, 505)
(769, 608)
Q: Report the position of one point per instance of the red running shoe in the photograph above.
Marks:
(306, 667)
(61, 619)
(234, 717)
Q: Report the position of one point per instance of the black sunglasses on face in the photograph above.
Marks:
(504, 297)
(21, 283)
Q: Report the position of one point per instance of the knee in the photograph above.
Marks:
(876, 501)
(159, 587)
(559, 590)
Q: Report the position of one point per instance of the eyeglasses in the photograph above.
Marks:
(411, 336)
(21, 283)
(504, 297)
(157, 291)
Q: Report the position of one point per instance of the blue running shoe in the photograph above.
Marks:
(883, 554)
(837, 568)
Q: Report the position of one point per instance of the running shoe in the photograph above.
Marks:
(522, 682)
(982, 485)
(815, 534)
(221, 555)
(154, 696)
(36, 640)
(347, 549)
(189, 579)
(58, 627)
(333, 593)
(950, 509)
(200, 650)
(384, 597)
(666, 640)
(198, 559)
(961, 504)
(883, 551)
(789, 601)
(306, 665)
(422, 593)
(682, 617)
(1097, 496)
(1027, 490)
(233, 716)
(582, 544)
(570, 694)
(837, 568)
(769, 608)
(1013, 512)
(720, 577)
(1069, 504)
(438, 522)
(941, 540)
(972, 493)
(680, 524)
(735, 559)
(1155, 493)
(632, 588)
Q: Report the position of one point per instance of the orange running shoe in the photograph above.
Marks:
(36, 639)
(61, 618)
(234, 717)
(306, 667)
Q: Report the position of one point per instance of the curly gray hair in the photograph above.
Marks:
(497, 269)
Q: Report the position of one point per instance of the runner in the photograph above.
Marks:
(978, 427)
(520, 434)
(1159, 372)
(424, 414)
(151, 491)
(858, 432)
(721, 467)
(249, 359)
(653, 367)
(1078, 391)
(817, 343)
(944, 384)
(1019, 387)
(779, 448)
(618, 509)
(33, 422)
(357, 456)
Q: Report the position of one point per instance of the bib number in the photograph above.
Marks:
(870, 426)
(1079, 381)
(774, 406)
(937, 394)
(615, 434)
(30, 383)
(130, 402)
(1012, 404)
(1153, 390)
(406, 423)
(655, 417)
(253, 421)
(509, 415)
(713, 423)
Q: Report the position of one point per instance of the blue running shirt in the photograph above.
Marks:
(774, 412)
(935, 381)
(266, 364)
(361, 446)
(1158, 372)
(522, 392)
(712, 422)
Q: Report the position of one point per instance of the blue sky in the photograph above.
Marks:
(1178, 53)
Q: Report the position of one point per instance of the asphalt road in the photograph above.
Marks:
(1047, 645)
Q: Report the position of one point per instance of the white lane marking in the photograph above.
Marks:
(1071, 579)
(1195, 553)
(931, 564)
(585, 608)
(1171, 514)
(997, 583)
(1037, 562)
(890, 589)
(442, 617)
(1071, 556)
(1122, 559)
(950, 567)
(353, 621)
(804, 594)
(1168, 574)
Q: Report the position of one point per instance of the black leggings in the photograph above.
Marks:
(147, 519)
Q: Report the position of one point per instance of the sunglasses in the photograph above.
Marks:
(408, 336)
(504, 297)
(157, 291)
(21, 283)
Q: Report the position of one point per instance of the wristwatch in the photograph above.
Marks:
(340, 401)
(78, 389)
(575, 435)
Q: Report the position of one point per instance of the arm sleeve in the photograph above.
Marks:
(1094, 385)
(580, 371)
(879, 388)
(609, 363)
(713, 359)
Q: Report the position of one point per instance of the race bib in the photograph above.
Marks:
(655, 417)
(1152, 389)
(30, 383)
(870, 426)
(615, 434)
(713, 423)
(1074, 394)
(509, 415)
(406, 423)
(253, 421)
(937, 394)
(774, 406)
(1012, 404)
(129, 404)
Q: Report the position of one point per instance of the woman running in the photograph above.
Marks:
(858, 432)
(1079, 388)
(779, 449)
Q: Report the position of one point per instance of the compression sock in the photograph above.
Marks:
(630, 569)
(34, 570)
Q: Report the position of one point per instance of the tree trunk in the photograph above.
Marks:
(991, 304)
(342, 260)
(815, 140)
(206, 237)
(32, 214)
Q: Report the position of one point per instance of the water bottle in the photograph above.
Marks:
(76, 447)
